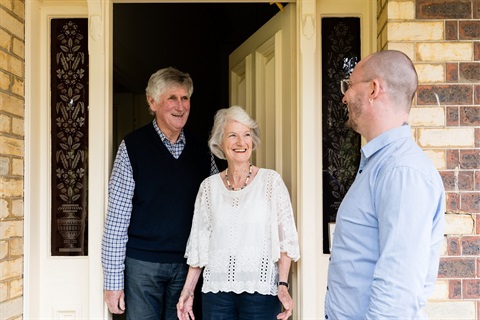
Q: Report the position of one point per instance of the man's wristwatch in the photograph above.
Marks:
(282, 283)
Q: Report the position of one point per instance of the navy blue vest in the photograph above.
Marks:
(164, 197)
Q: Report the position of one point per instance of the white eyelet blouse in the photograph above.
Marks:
(237, 236)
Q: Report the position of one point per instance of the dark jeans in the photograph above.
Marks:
(243, 306)
(152, 289)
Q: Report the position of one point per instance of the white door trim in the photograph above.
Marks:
(45, 277)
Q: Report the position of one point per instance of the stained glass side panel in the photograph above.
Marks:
(340, 145)
(69, 136)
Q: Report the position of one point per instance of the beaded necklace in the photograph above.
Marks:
(246, 181)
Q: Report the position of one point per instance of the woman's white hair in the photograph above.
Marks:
(234, 113)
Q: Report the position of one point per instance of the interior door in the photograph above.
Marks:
(263, 81)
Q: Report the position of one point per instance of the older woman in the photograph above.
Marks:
(243, 233)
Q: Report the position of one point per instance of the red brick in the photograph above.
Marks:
(476, 51)
(470, 159)
(444, 95)
(469, 72)
(453, 158)
(455, 289)
(471, 289)
(466, 180)
(452, 202)
(448, 178)
(451, 30)
(452, 117)
(453, 246)
(477, 137)
(469, 30)
(478, 266)
(446, 9)
(456, 268)
(452, 72)
(477, 184)
(476, 15)
(463, 180)
(477, 231)
(469, 116)
(470, 202)
(477, 94)
(470, 245)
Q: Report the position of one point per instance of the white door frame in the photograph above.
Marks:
(64, 287)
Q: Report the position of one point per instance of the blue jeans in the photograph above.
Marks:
(243, 306)
(152, 289)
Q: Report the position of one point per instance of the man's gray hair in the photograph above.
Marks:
(166, 78)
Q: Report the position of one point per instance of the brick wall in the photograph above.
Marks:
(443, 40)
(12, 75)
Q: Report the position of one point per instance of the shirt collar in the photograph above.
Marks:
(163, 137)
(386, 138)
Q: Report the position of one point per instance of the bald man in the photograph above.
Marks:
(390, 225)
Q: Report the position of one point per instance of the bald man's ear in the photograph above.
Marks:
(374, 89)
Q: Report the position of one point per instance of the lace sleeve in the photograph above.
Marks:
(287, 230)
(198, 242)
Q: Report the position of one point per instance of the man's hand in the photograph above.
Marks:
(115, 300)
(287, 303)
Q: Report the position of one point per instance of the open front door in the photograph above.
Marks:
(263, 81)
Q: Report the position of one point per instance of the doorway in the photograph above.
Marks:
(196, 38)
(193, 37)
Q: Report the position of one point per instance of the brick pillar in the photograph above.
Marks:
(443, 40)
(12, 76)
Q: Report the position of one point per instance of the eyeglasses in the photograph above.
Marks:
(345, 84)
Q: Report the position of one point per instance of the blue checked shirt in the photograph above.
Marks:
(120, 194)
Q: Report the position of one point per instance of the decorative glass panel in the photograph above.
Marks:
(69, 133)
(341, 145)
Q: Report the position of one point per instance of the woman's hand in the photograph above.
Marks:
(287, 302)
(185, 302)
(283, 294)
(185, 306)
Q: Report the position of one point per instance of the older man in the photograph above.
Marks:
(155, 179)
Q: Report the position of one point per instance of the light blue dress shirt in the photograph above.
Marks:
(388, 234)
